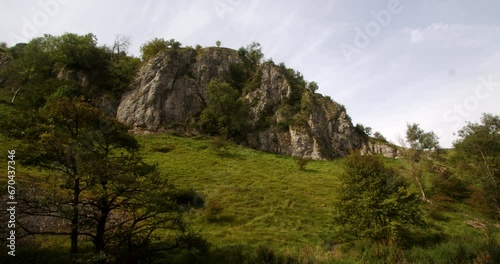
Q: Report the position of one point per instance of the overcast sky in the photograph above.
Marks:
(390, 62)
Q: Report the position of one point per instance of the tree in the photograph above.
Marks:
(374, 202)
(379, 136)
(155, 46)
(122, 71)
(217, 43)
(78, 52)
(120, 45)
(97, 183)
(368, 131)
(362, 130)
(312, 86)
(418, 148)
(478, 153)
(32, 64)
(225, 113)
(252, 55)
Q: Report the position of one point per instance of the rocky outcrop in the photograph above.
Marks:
(382, 148)
(75, 76)
(320, 130)
(169, 91)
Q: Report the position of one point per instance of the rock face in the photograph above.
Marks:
(169, 91)
(376, 147)
(320, 130)
(75, 76)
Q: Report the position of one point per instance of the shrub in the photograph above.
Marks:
(213, 209)
(219, 145)
(444, 182)
(155, 46)
(302, 162)
(225, 115)
(377, 135)
(374, 202)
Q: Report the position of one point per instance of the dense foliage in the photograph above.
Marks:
(43, 65)
(96, 186)
(374, 202)
(157, 45)
(225, 113)
(478, 153)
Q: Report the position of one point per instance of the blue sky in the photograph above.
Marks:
(433, 62)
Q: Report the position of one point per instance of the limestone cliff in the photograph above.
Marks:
(169, 92)
(170, 89)
(321, 129)
(377, 147)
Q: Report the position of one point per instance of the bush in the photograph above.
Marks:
(225, 115)
(302, 162)
(444, 182)
(213, 210)
(219, 145)
(377, 135)
(374, 202)
(155, 46)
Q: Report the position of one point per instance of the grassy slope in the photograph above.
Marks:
(267, 200)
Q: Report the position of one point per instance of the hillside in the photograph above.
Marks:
(268, 201)
(215, 155)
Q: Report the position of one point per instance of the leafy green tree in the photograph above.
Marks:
(122, 71)
(97, 186)
(36, 66)
(152, 48)
(374, 202)
(32, 64)
(419, 148)
(379, 136)
(78, 51)
(251, 55)
(362, 130)
(155, 46)
(368, 131)
(419, 139)
(217, 43)
(478, 153)
(225, 114)
(313, 87)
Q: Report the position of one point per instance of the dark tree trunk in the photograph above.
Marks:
(74, 221)
(99, 242)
